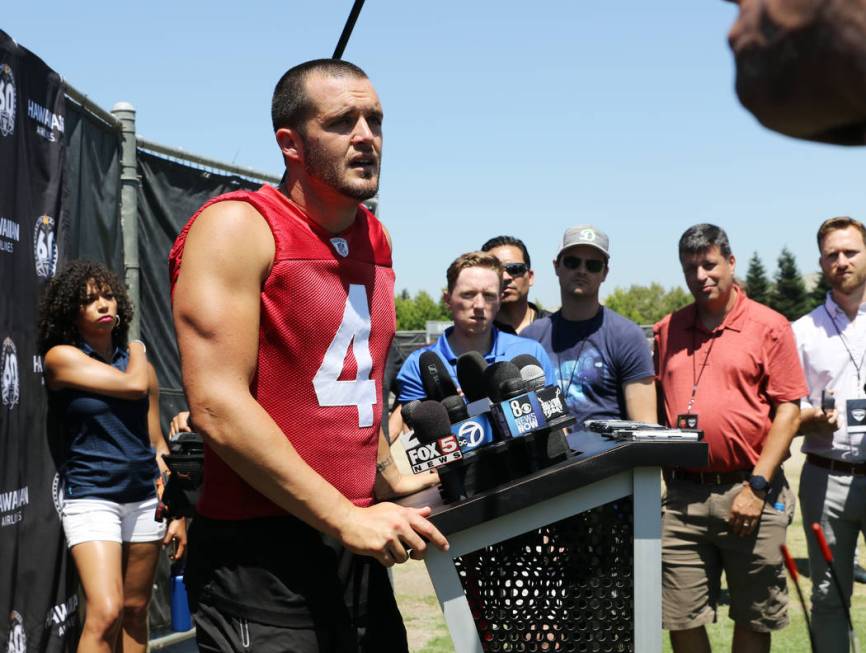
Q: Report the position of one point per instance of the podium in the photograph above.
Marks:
(565, 559)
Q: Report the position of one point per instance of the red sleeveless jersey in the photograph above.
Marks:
(327, 320)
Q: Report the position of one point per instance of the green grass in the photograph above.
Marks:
(428, 633)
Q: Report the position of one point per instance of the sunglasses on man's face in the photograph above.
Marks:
(516, 269)
(574, 262)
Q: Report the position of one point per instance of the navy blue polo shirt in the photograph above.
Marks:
(108, 451)
(503, 347)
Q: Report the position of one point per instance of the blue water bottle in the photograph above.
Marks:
(180, 617)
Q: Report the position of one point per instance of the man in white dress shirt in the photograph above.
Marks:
(832, 344)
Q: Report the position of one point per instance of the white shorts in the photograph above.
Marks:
(90, 520)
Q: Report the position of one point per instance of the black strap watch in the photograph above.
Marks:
(759, 484)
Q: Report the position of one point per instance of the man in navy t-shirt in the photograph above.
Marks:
(602, 361)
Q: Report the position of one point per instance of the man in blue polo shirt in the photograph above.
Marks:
(474, 290)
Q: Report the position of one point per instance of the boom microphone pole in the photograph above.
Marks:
(347, 29)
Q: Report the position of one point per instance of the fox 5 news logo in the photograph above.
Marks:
(434, 454)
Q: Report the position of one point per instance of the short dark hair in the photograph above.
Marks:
(704, 236)
(471, 260)
(499, 241)
(841, 222)
(64, 296)
(290, 105)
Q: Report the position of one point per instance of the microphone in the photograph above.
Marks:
(495, 376)
(436, 446)
(435, 377)
(470, 374)
(472, 432)
(407, 412)
(531, 371)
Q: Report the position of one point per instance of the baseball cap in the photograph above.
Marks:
(585, 234)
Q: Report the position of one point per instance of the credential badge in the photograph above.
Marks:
(341, 245)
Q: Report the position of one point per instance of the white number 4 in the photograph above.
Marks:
(354, 330)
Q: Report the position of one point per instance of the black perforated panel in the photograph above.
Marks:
(565, 587)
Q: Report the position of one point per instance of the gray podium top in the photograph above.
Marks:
(597, 458)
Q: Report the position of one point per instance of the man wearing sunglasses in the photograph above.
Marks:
(516, 312)
(602, 360)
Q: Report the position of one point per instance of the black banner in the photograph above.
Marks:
(170, 193)
(38, 603)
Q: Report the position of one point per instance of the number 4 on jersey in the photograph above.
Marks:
(355, 330)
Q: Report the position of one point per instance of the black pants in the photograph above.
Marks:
(278, 585)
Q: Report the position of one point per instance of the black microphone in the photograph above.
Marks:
(435, 377)
(495, 375)
(472, 431)
(407, 413)
(470, 373)
(436, 444)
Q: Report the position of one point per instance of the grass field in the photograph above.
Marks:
(428, 633)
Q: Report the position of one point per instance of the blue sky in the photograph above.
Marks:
(500, 117)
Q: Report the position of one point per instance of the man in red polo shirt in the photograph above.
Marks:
(731, 364)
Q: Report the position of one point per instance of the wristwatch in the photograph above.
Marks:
(759, 484)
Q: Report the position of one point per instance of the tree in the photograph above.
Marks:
(758, 286)
(646, 304)
(789, 297)
(818, 294)
(414, 313)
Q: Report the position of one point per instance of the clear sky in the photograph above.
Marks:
(500, 117)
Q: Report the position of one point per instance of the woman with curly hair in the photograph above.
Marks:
(105, 393)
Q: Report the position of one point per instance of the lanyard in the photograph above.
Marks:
(696, 376)
(844, 340)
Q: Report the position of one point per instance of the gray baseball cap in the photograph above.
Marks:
(585, 234)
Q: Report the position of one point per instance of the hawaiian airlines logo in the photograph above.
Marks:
(341, 245)
(9, 384)
(45, 247)
(7, 100)
(17, 636)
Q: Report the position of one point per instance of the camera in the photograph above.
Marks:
(186, 463)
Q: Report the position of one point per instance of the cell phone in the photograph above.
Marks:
(828, 400)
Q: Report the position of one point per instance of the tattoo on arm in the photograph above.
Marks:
(382, 465)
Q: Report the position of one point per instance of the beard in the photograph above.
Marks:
(331, 173)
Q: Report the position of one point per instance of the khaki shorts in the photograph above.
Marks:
(697, 546)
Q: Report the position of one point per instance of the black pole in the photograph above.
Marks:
(347, 30)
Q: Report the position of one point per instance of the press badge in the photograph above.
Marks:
(855, 410)
(689, 422)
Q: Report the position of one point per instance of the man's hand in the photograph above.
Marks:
(176, 533)
(746, 511)
(820, 423)
(179, 424)
(390, 533)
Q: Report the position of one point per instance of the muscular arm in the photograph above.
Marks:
(216, 312)
(69, 367)
(640, 400)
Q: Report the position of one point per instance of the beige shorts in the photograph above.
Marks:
(697, 546)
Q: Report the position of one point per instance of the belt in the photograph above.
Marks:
(707, 478)
(837, 466)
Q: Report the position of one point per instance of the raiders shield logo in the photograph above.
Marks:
(341, 245)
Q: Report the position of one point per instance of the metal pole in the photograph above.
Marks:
(125, 113)
(347, 30)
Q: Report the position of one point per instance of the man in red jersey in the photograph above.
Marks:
(283, 306)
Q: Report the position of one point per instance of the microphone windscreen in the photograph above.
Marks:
(456, 408)
(435, 377)
(510, 388)
(523, 360)
(407, 412)
(534, 376)
(495, 375)
(470, 373)
(431, 421)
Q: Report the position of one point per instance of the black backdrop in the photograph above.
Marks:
(60, 200)
(38, 602)
(170, 193)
